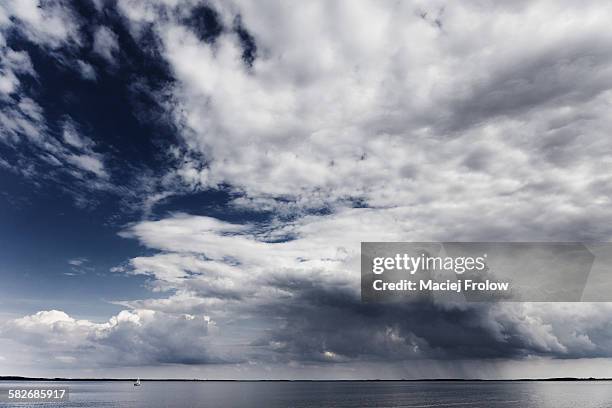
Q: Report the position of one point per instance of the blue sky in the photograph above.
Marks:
(185, 185)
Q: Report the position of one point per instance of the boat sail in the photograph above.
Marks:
(137, 383)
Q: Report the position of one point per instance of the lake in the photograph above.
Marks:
(523, 394)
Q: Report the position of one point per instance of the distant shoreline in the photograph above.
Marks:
(18, 378)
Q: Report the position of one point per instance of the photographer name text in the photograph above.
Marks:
(458, 286)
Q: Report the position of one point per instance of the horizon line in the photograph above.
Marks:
(23, 378)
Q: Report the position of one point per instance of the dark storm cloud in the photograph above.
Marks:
(323, 324)
(333, 324)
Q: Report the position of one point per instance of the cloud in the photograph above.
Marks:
(322, 116)
(86, 70)
(72, 137)
(52, 147)
(439, 121)
(14, 63)
(78, 151)
(316, 118)
(20, 115)
(37, 152)
(52, 24)
(136, 337)
(26, 128)
(78, 267)
(105, 44)
(77, 261)
(90, 163)
(300, 283)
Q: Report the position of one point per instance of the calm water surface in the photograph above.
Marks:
(331, 394)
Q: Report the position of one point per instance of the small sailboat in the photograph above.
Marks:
(137, 383)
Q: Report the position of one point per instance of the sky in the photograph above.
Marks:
(184, 185)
